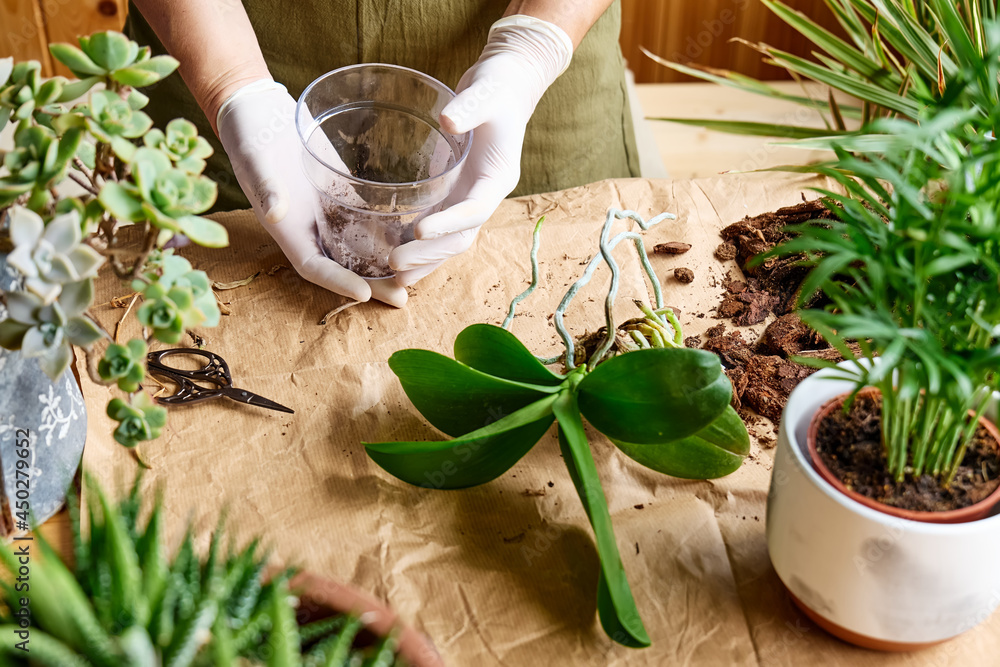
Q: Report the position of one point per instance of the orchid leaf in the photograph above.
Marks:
(473, 459)
(615, 604)
(455, 398)
(496, 351)
(647, 396)
(715, 451)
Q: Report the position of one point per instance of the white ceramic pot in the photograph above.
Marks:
(865, 576)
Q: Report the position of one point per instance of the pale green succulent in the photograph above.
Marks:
(137, 421)
(24, 93)
(50, 256)
(181, 144)
(46, 332)
(112, 55)
(178, 298)
(111, 119)
(39, 161)
(124, 363)
(167, 197)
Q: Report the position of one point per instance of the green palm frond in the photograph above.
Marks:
(900, 59)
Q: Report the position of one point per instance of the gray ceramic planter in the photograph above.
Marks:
(43, 424)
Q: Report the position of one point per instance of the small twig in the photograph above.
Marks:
(337, 310)
(83, 184)
(138, 459)
(536, 239)
(92, 359)
(147, 249)
(85, 170)
(127, 311)
(199, 341)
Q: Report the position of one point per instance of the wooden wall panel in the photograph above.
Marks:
(699, 31)
(68, 19)
(22, 32)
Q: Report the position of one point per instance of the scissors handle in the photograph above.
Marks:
(215, 370)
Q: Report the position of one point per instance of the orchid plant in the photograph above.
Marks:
(662, 404)
(93, 131)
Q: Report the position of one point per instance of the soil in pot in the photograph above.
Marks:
(851, 448)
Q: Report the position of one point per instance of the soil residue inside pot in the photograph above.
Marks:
(851, 447)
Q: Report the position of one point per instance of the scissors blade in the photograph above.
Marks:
(250, 398)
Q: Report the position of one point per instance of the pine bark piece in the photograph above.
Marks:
(671, 248)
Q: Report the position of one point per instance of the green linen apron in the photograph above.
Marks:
(581, 130)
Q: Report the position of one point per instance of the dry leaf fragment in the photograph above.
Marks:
(337, 310)
(123, 301)
(234, 284)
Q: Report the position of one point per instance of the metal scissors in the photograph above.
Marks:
(215, 372)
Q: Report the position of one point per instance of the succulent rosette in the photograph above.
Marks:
(50, 256)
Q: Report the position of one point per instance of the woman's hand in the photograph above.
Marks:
(496, 98)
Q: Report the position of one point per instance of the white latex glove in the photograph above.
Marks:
(496, 97)
(257, 128)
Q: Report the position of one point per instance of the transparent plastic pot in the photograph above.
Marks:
(377, 156)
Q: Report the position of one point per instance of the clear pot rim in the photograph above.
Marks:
(399, 68)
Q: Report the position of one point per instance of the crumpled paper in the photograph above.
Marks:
(506, 573)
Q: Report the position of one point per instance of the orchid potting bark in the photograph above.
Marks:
(504, 573)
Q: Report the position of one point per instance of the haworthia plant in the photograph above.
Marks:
(127, 604)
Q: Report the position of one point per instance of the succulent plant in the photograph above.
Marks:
(49, 256)
(124, 363)
(176, 298)
(112, 55)
(23, 91)
(181, 144)
(39, 160)
(111, 119)
(128, 604)
(167, 197)
(46, 331)
(95, 132)
(137, 421)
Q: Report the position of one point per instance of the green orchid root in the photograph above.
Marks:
(663, 405)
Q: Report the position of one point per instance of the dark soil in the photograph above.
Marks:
(851, 447)
(671, 248)
(761, 371)
(772, 286)
(684, 275)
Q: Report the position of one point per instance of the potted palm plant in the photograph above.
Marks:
(882, 514)
(126, 603)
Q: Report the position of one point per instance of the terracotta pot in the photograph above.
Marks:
(870, 578)
(973, 512)
(320, 598)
